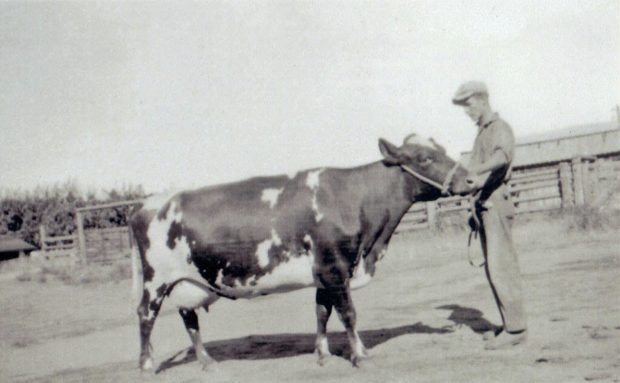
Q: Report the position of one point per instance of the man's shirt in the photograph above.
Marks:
(494, 134)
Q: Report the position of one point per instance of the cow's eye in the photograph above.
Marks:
(425, 161)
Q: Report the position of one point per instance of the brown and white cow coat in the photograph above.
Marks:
(324, 228)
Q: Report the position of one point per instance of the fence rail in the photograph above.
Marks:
(102, 245)
(59, 245)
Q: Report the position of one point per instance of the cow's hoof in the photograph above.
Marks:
(356, 360)
(146, 365)
(206, 362)
(323, 356)
(324, 359)
(209, 366)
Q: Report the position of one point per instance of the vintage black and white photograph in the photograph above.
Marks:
(310, 191)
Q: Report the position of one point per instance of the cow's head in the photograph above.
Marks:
(427, 161)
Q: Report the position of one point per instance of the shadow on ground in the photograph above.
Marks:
(472, 318)
(273, 346)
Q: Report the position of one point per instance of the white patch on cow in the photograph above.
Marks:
(312, 179)
(189, 295)
(308, 240)
(295, 273)
(262, 251)
(148, 364)
(155, 202)
(420, 140)
(322, 345)
(292, 174)
(359, 346)
(271, 196)
(382, 254)
(313, 182)
(169, 265)
(360, 276)
(220, 277)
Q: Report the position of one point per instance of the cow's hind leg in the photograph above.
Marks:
(147, 313)
(191, 325)
(324, 304)
(346, 313)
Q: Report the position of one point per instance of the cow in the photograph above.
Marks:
(324, 228)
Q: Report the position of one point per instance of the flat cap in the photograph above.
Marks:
(468, 89)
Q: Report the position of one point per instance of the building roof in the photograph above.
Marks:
(14, 244)
(564, 144)
(569, 132)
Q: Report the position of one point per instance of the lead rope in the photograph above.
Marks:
(445, 190)
(445, 187)
(421, 177)
(473, 233)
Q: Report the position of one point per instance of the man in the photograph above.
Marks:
(490, 168)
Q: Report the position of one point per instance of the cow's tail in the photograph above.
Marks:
(136, 270)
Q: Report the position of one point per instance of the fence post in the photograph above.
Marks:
(593, 174)
(431, 214)
(566, 185)
(42, 238)
(578, 181)
(81, 237)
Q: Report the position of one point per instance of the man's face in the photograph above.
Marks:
(474, 107)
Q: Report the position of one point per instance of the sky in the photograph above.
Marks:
(173, 95)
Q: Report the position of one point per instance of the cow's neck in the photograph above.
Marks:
(390, 186)
(387, 196)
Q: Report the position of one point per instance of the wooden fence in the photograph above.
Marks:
(90, 245)
(101, 245)
(107, 245)
(579, 182)
(57, 246)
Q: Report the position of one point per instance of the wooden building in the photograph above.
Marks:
(598, 140)
(13, 247)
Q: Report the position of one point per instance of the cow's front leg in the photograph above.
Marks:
(190, 319)
(346, 313)
(324, 306)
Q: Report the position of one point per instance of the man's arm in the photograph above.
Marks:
(498, 159)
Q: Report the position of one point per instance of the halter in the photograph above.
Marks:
(445, 187)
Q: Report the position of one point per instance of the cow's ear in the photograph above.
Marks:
(389, 152)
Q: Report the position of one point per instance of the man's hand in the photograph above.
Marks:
(476, 182)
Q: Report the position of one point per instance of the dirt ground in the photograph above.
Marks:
(421, 319)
